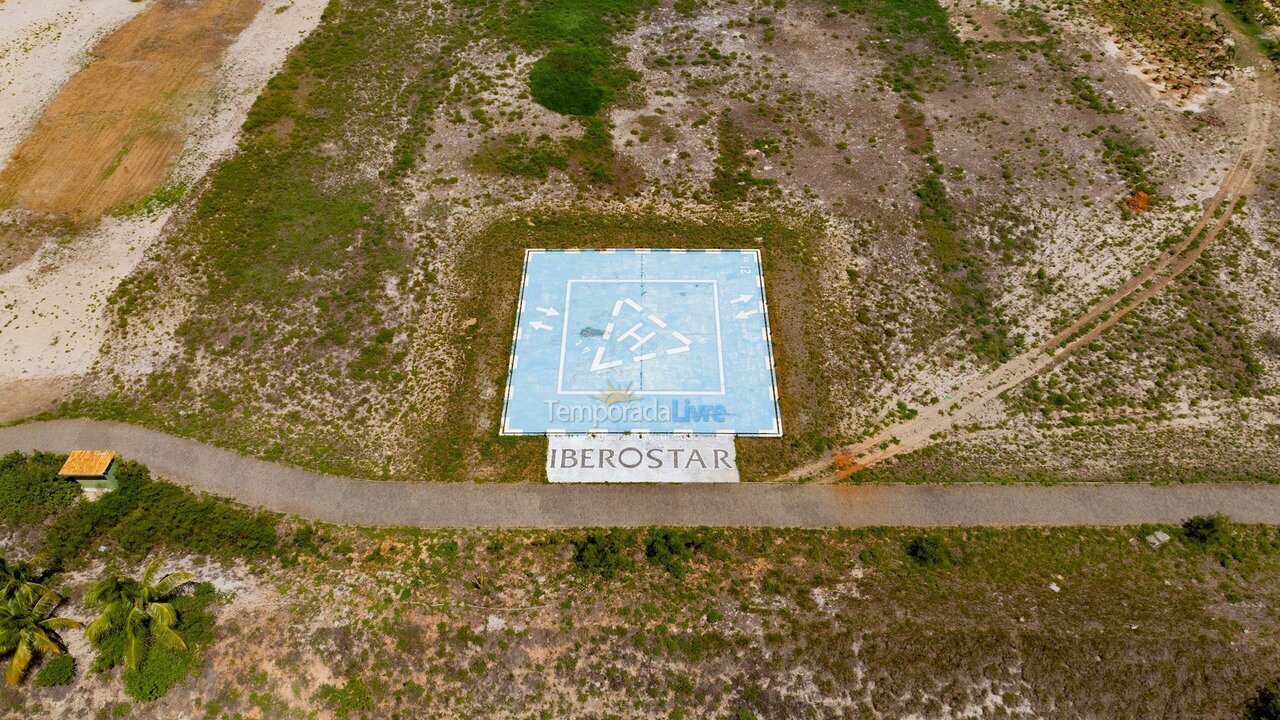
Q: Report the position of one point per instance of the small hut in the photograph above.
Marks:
(95, 470)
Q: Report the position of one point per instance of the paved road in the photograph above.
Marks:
(425, 504)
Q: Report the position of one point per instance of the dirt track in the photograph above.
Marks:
(112, 133)
(971, 401)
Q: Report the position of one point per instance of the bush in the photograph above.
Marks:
(668, 548)
(58, 670)
(928, 550)
(160, 672)
(1266, 706)
(571, 80)
(144, 513)
(601, 552)
(30, 489)
(1206, 529)
(352, 697)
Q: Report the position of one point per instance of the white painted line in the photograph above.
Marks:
(634, 306)
(642, 340)
(677, 351)
(617, 308)
(564, 337)
(608, 330)
(676, 334)
(656, 320)
(597, 366)
(646, 356)
(715, 303)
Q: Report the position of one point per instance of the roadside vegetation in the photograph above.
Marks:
(677, 622)
(156, 626)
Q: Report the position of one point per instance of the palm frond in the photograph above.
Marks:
(152, 568)
(166, 637)
(43, 607)
(171, 582)
(162, 614)
(62, 623)
(44, 643)
(135, 650)
(100, 626)
(103, 592)
(18, 665)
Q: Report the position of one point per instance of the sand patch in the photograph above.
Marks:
(42, 44)
(52, 322)
(112, 133)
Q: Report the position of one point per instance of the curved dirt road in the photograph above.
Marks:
(968, 402)
(426, 504)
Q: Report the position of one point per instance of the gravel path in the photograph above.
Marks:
(426, 504)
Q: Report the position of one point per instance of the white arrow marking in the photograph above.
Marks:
(740, 299)
(549, 312)
(539, 325)
(744, 314)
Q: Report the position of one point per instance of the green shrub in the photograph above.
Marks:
(352, 697)
(928, 550)
(160, 672)
(585, 22)
(1266, 705)
(733, 179)
(668, 547)
(601, 552)
(1206, 529)
(572, 80)
(30, 489)
(144, 513)
(58, 670)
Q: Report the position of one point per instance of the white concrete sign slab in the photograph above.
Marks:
(641, 459)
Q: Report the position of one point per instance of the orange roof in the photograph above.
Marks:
(87, 463)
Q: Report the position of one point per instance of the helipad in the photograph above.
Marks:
(661, 341)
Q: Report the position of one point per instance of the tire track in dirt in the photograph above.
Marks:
(113, 131)
(973, 400)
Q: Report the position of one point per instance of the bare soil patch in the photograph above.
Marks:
(115, 129)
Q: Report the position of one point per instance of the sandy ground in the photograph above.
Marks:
(42, 44)
(52, 324)
(110, 135)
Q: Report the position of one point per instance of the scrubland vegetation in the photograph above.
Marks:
(663, 622)
(338, 293)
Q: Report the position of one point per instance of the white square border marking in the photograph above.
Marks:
(529, 253)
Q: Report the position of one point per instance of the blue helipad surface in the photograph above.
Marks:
(663, 341)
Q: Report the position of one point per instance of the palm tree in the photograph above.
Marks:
(27, 628)
(139, 609)
(20, 578)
